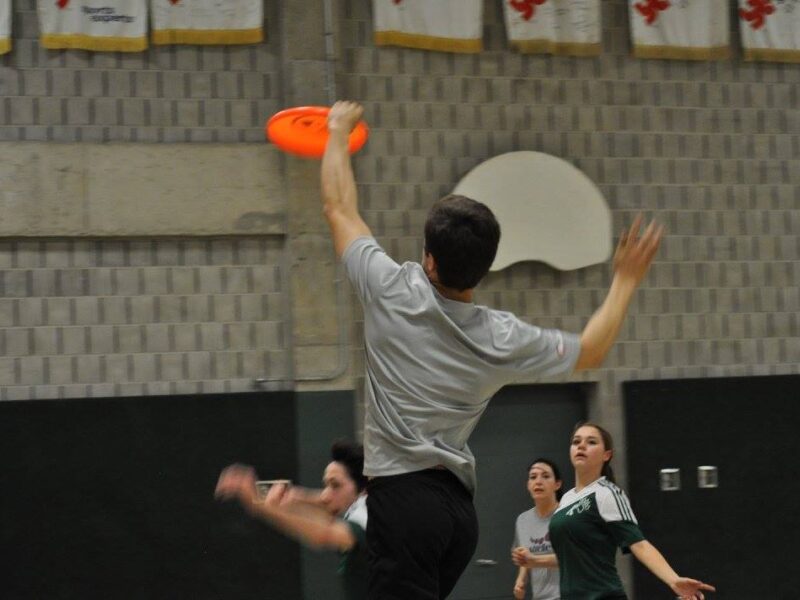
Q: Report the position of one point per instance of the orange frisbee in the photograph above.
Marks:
(303, 131)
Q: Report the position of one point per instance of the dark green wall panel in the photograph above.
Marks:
(743, 535)
(321, 418)
(113, 498)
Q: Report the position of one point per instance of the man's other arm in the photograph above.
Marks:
(632, 260)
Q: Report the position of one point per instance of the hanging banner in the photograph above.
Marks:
(207, 21)
(93, 24)
(5, 26)
(445, 25)
(770, 30)
(680, 29)
(566, 27)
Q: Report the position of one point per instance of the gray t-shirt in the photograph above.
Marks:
(434, 363)
(533, 532)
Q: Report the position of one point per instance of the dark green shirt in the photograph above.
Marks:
(586, 530)
(353, 567)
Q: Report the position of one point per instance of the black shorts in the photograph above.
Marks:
(421, 535)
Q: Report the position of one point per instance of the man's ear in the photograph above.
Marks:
(429, 266)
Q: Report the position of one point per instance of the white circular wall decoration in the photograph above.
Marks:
(548, 210)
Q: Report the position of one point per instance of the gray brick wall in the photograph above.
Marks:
(82, 318)
(165, 94)
(708, 148)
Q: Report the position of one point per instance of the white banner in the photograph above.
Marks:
(207, 21)
(5, 26)
(569, 27)
(446, 25)
(770, 30)
(93, 24)
(680, 29)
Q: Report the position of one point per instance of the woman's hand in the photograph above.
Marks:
(277, 495)
(684, 588)
(521, 557)
(239, 482)
(690, 589)
(299, 495)
(519, 589)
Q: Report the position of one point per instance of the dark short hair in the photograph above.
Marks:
(351, 457)
(462, 236)
(556, 473)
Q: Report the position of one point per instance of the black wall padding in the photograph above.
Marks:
(113, 498)
(322, 417)
(742, 536)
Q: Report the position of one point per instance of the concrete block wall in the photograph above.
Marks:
(84, 318)
(709, 149)
(165, 94)
(141, 316)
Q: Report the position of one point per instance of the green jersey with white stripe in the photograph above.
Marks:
(586, 530)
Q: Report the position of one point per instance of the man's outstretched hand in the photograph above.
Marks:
(634, 253)
(631, 261)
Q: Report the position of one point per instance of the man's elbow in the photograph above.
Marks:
(330, 208)
(590, 357)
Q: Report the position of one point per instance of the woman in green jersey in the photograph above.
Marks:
(593, 519)
(334, 517)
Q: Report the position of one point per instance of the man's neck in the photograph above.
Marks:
(451, 294)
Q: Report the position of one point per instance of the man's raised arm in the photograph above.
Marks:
(631, 262)
(339, 196)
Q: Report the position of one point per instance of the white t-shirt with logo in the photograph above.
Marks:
(533, 533)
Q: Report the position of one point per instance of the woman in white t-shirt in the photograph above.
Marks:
(532, 530)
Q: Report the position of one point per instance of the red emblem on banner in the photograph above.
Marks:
(397, 1)
(758, 13)
(62, 3)
(174, 1)
(526, 7)
(650, 9)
